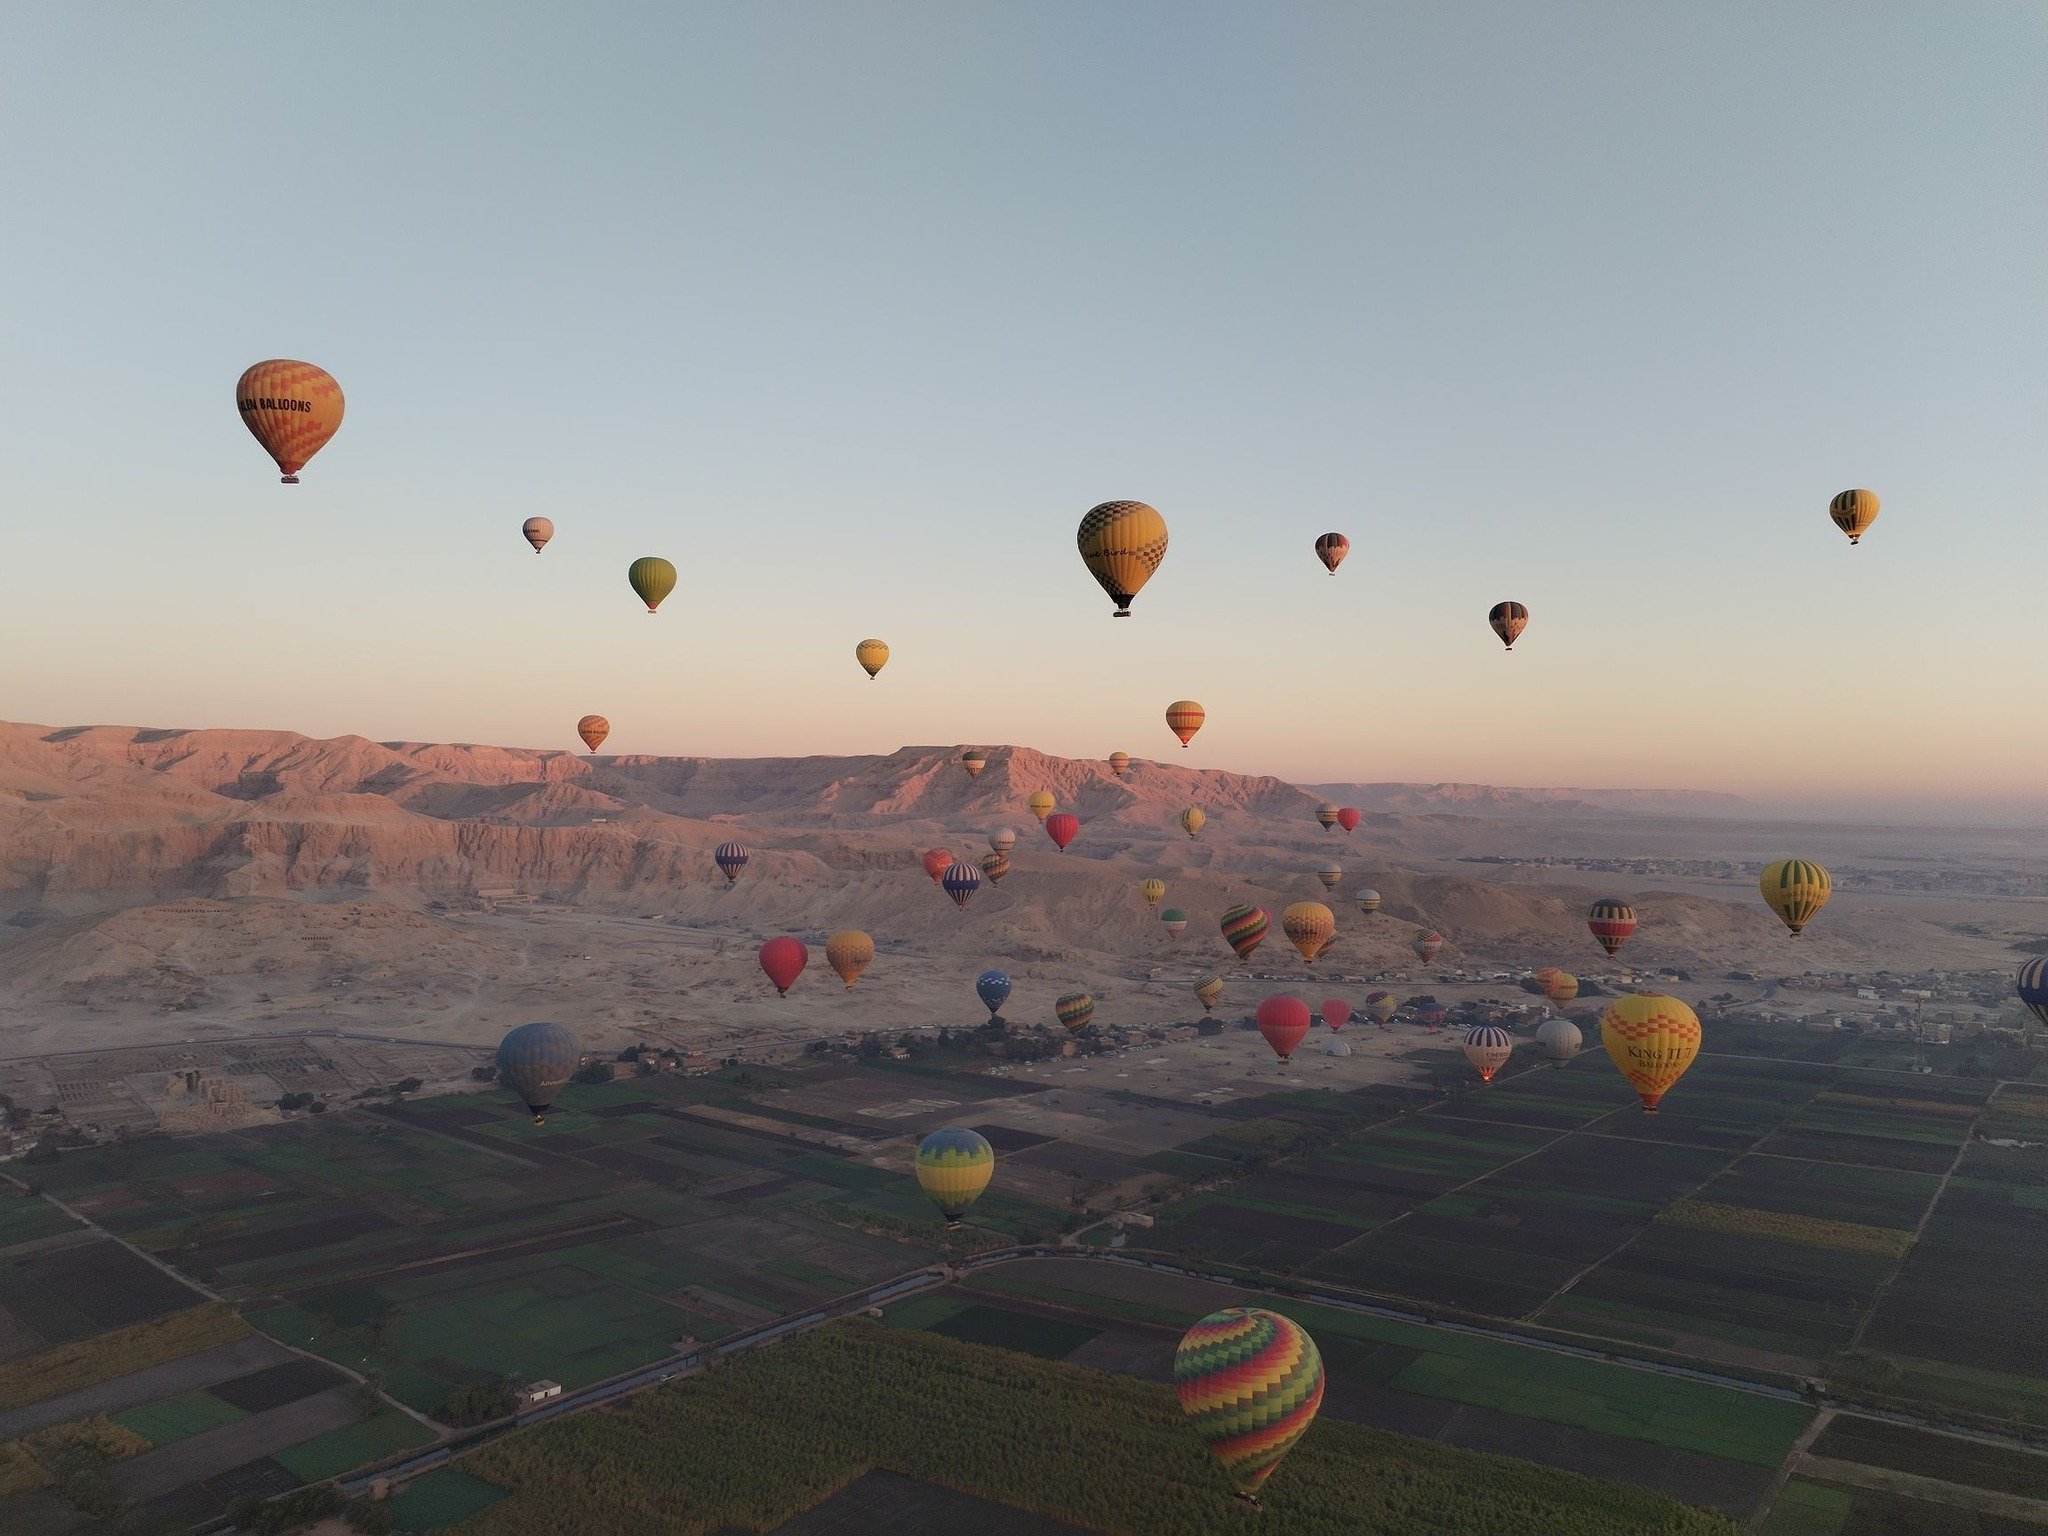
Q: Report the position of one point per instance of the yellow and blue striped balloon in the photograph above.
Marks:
(954, 1165)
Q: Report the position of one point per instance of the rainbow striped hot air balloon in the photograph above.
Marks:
(994, 868)
(1074, 1010)
(1243, 929)
(1252, 1381)
(953, 1166)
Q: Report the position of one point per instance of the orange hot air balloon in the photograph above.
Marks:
(1284, 1023)
(936, 862)
(849, 952)
(1041, 803)
(1561, 988)
(1119, 763)
(1122, 543)
(873, 655)
(291, 408)
(1184, 717)
(1309, 926)
(593, 729)
(1653, 1039)
(537, 531)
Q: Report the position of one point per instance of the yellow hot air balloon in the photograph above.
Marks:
(1309, 926)
(593, 729)
(1119, 763)
(1041, 803)
(873, 655)
(1184, 717)
(1853, 512)
(291, 408)
(848, 952)
(652, 579)
(1153, 891)
(1122, 543)
(1192, 821)
(1795, 889)
(1653, 1039)
(1208, 990)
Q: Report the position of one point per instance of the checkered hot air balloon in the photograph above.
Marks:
(1652, 1039)
(1251, 1380)
(953, 1166)
(1426, 943)
(1381, 1005)
(993, 988)
(1122, 544)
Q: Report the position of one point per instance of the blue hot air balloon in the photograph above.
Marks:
(536, 1062)
(993, 988)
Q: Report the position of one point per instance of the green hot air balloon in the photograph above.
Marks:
(536, 1062)
(652, 579)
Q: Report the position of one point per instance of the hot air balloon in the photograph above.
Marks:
(1184, 717)
(1348, 817)
(1336, 1012)
(1207, 990)
(1560, 1037)
(1425, 944)
(1653, 1039)
(954, 1166)
(974, 760)
(730, 858)
(652, 579)
(1153, 890)
(1381, 1006)
(1430, 1014)
(1192, 820)
(1853, 512)
(784, 959)
(1330, 875)
(1074, 1010)
(1795, 889)
(1002, 840)
(1331, 549)
(1062, 827)
(993, 988)
(994, 867)
(1488, 1048)
(1542, 976)
(936, 862)
(1508, 621)
(1326, 815)
(1561, 987)
(537, 531)
(536, 1062)
(1251, 1381)
(593, 729)
(1368, 900)
(1283, 1021)
(1122, 543)
(1611, 922)
(1243, 928)
(1309, 926)
(960, 882)
(1119, 763)
(1041, 803)
(873, 655)
(291, 408)
(849, 952)
(2032, 986)
(1175, 921)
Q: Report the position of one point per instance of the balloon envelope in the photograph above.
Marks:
(1041, 803)
(873, 655)
(936, 862)
(1243, 929)
(1560, 987)
(1348, 817)
(537, 531)
(1611, 922)
(1074, 1010)
(1327, 816)
(291, 408)
(1426, 943)
(1122, 544)
(1184, 717)
(993, 988)
(1795, 889)
(1062, 827)
(1309, 926)
(1488, 1048)
(1330, 875)
(1283, 1021)
(974, 760)
(994, 867)
(1119, 763)
(1208, 989)
(593, 729)
(1368, 900)
(1002, 840)
(1153, 890)
(536, 1062)
(1174, 920)
(1652, 1039)
(1381, 1006)
(1336, 1012)
(1508, 621)
(652, 579)
(960, 881)
(1560, 1037)
(953, 1166)
(849, 952)
(730, 858)
(1251, 1382)
(783, 960)
(2032, 986)
(1331, 549)
(1192, 820)
(1853, 512)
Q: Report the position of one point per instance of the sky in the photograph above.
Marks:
(853, 310)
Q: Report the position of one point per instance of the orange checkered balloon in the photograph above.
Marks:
(292, 408)
(1653, 1039)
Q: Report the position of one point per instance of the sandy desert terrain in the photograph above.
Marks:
(164, 885)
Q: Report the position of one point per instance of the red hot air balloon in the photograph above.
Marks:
(1425, 944)
(936, 862)
(1336, 1013)
(1331, 549)
(1611, 922)
(784, 960)
(1348, 817)
(1284, 1022)
(1062, 827)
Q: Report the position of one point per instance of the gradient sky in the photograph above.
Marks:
(851, 310)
